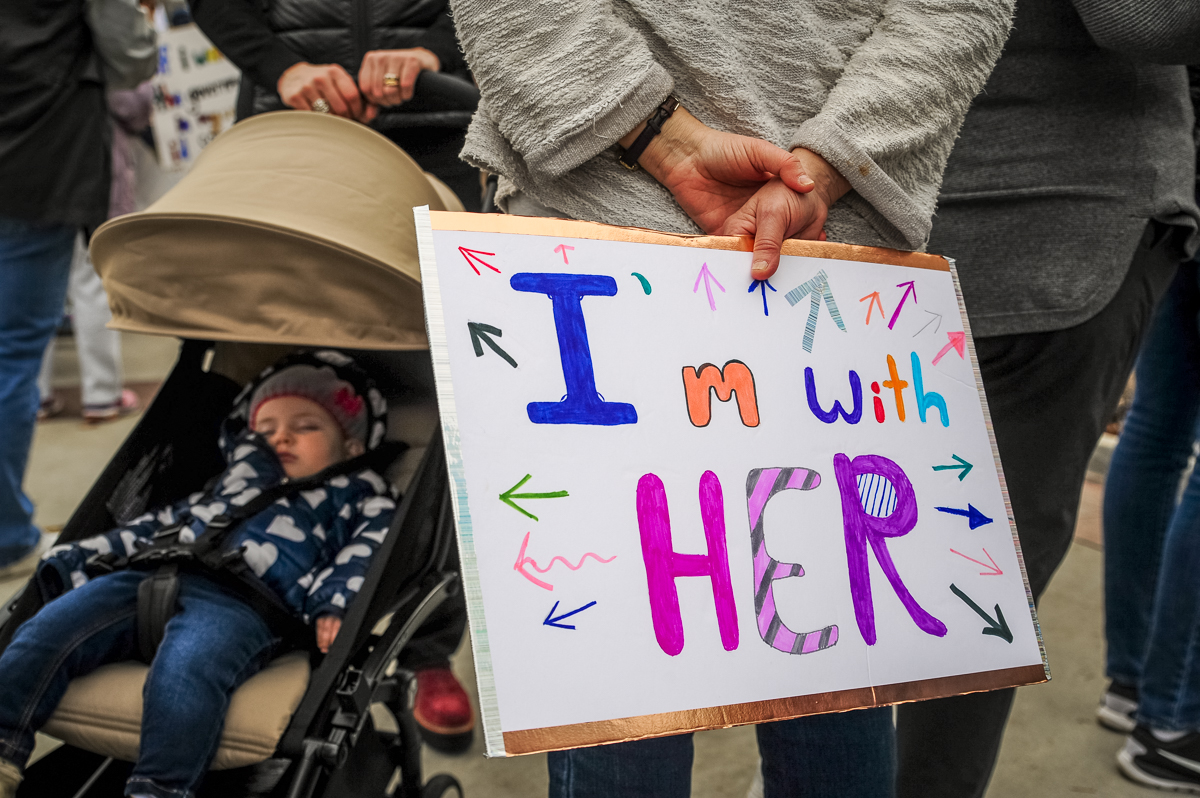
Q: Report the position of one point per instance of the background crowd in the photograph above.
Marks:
(1049, 146)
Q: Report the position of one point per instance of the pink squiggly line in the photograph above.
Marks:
(523, 560)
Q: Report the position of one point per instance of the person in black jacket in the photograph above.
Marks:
(55, 160)
(358, 59)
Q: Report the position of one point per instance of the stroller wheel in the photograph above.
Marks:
(440, 785)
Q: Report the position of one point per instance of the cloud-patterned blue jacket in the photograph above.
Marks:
(312, 548)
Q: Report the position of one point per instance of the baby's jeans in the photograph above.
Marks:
(212, 645)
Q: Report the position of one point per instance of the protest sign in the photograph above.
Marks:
(688, 500)
(195, 95)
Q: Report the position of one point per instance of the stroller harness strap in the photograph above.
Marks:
(158, 595)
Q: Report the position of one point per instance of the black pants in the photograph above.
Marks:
(1050, 395)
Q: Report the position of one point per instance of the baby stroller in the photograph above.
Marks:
(294, 230)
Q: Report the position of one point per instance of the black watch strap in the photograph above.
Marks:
(629, 159)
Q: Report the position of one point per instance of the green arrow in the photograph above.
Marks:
(998, 627)
(508, 496)
(962, 464)
(479, 337)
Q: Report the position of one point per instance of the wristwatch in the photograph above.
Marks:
(629, 159)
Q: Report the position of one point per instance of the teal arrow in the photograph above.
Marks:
(962, 464)
(508, 496)
(997, 627)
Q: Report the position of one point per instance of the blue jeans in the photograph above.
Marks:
(844, 755)
(214, 644)
(1151, 543)
(35, 261)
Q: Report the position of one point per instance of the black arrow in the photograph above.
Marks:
(479, 337)
(999, 629)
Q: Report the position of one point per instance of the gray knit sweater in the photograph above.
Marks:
(1079, 137)
(878, 88)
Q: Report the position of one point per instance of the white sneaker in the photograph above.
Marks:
(10, 777)
(1117, 708)
(29, 563)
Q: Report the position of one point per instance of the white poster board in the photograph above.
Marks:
(642, 558)
(195, 95)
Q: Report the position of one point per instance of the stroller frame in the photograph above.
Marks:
(331, 746)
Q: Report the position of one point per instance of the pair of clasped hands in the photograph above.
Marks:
(737, 185)
(303, 84)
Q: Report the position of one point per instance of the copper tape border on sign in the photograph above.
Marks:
(569, 228)
(557, 738)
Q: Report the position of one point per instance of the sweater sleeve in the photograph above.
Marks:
(565, 81)
(239, 29)
(337, 584)
(890, 120)
(64, 567)
(1159, 31)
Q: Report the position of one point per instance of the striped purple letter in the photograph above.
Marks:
(664, 564)
(761, 485)
(871, 515)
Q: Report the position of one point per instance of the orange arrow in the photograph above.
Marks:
(875, 302)
(956, 343)
(992, 570)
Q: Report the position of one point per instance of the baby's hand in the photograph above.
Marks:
(328, 627)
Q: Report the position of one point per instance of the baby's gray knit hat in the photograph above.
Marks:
(322, 385)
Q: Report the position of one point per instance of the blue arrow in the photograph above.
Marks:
(975, 518)
(552, 621)
(764, 285)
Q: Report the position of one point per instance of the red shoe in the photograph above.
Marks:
(443, 711)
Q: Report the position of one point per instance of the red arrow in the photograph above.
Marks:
(912, 288)
(562, 250)
(472, 256)
(875, 302)
(956, 343)
(992, 570)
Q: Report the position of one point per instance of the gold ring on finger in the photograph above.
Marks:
(391, 80)
(321, 105)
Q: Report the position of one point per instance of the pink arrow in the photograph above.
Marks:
(875, 303)
(956, 343)
(912, 288)
(992, 570)
(707, 275)
(562, 250)
(472, 256)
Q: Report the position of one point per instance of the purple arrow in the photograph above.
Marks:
(974, 518)
(911, 288)
(707, 276)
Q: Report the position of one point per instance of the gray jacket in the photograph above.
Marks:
(1075, 142)
(878, 88)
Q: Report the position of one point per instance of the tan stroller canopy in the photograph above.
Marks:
(292, 228)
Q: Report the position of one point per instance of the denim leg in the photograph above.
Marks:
(841, 755)
(1143, 478)
(35, 261)
(211, 646)
(657, 768)
(1169, 692)
(71, 636)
